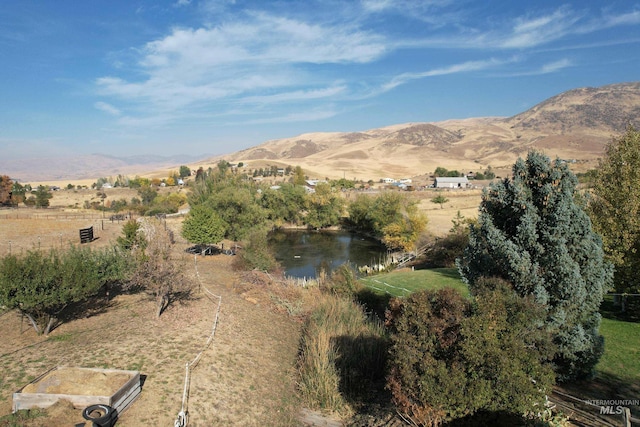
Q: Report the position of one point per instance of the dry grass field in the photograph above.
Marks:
(246, 377)
(465, 201)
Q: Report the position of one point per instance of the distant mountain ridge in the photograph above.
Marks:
(576, 124)
(89, 166)
(596, 109)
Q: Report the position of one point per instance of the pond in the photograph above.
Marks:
(305, 253)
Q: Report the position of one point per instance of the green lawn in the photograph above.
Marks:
(621, 350)
(403, 283)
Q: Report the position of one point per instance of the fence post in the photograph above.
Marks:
(626, 417)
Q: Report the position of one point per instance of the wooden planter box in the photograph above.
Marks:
(80, 386)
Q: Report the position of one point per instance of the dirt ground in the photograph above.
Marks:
(245, 377)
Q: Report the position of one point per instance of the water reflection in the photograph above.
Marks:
(305, 253)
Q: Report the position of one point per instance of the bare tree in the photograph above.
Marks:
(161, 277)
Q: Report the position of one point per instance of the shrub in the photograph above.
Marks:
(256, 253)
(451, 357)
(424, 375)
(343, 282)
(444, 251)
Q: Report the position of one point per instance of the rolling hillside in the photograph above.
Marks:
(576, 124)
(573, 125)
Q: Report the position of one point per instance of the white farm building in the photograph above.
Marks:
(451, 182)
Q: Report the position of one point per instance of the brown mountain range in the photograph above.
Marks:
(576, 124)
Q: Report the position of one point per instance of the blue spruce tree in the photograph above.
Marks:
(533, 233)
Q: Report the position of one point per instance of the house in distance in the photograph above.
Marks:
(450, 182)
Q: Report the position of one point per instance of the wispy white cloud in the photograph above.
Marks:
(303, 116)
(547, 68)
(263, 37)
(412, 8)
(107, 108)
(451, 69)
(435, 13)
(528, 32)
(555, 66)
(613, 20)
(540, 30)
(522, 32)
(256, 58)
(262, 59)
(298, 95)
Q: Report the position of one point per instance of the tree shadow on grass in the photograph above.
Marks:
(612, 310)
(183, 297)
(451, 273)
(89, 307)
(361, 364)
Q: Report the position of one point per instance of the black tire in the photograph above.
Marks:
(100, 415)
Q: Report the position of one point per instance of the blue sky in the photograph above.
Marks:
(125, 77)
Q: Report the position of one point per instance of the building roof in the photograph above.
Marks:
(452, 179)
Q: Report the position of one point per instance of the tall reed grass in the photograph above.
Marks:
(342, 352)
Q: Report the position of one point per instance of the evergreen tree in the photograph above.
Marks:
(132, 236)
(42, 197)
(532, 233)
